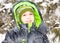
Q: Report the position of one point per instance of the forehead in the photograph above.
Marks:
(28, 12)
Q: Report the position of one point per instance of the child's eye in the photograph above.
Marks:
(31, 14)
(24, 15)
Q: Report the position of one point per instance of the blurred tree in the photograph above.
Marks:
(57, 33)
(1, 23)
(50, 9)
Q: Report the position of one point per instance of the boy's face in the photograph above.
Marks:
(27, 17)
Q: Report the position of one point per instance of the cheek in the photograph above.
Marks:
(23, 19)
(32, 18)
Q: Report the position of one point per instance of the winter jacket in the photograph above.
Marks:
(37, 32)
(35, 36)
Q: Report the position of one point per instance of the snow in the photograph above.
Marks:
(2, 1)
(51, 36)
(2, 37)
(57, 11)
(55, 1)
(38, 1)
(9, 5)
(44, 4)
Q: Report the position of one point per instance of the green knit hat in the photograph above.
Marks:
(22, 10)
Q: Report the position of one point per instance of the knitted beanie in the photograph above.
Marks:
(24, 9)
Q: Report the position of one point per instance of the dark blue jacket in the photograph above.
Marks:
(35, 36)
(20, 33)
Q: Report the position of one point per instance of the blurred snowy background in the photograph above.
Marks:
(50, 10)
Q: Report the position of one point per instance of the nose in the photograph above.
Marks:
(28, 17)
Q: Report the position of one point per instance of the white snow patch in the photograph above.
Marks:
(2, 1)
(38, 1)
(55, 1)
(57, 12)
(2, 37)
(9, 5)
(44, 4)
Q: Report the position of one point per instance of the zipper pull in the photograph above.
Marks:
(23, 40)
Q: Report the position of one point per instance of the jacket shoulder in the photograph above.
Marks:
(43, 28)
(15, 29)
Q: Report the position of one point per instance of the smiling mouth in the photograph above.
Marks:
(29, 21)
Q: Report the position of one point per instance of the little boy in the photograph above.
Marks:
(30, 26)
